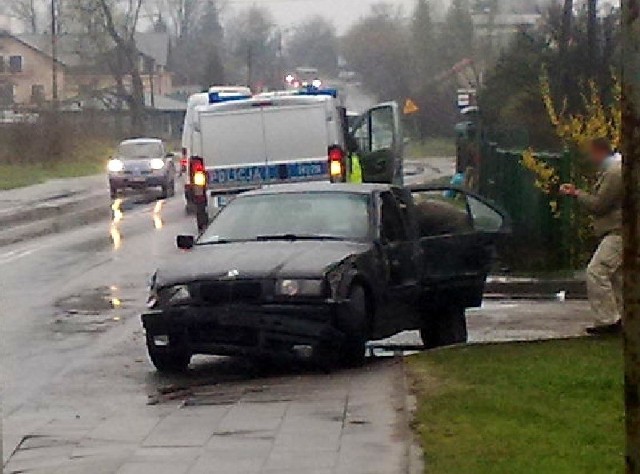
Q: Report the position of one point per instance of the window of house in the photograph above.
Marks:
(15, 64)
(37, 93)
(6, 94)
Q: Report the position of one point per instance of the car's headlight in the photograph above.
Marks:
(115, 166)
(299, 287)
(172, 296)
(156, 164)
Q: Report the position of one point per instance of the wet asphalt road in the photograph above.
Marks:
(71, 303)
(73, 342)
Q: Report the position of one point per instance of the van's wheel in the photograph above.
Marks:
(355, 327)
(444, 327)
(168, 362)
(172, 188)
(113, 191)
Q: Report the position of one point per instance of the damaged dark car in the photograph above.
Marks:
(317, 270)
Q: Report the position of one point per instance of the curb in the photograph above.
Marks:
(535, 289)
(56, 220)
(414, 453)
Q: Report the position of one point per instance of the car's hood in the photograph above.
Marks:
(246, 260)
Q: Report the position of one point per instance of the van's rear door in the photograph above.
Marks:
(233, 147)
(296, 140)
(378, 138)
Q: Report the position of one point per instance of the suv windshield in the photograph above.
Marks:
(291, 216)
(140, 150)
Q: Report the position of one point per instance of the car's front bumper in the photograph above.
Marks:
(132, 181)
(246, 329)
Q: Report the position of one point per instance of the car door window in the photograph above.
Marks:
(382, 126)
(393, 227)
(484, 217)
(362, 136)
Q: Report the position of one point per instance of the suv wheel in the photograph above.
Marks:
(355, 328)
(113, 191)
(444, 327)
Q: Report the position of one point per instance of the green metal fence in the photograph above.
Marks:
(541, 238)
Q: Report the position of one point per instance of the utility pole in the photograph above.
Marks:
(54, 54)
(631, 227)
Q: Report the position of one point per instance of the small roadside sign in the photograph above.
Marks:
(410, 107)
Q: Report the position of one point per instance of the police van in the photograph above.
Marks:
(243, 143)
(196, 100)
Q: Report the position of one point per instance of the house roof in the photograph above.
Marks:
(73, 49)
(29, 44)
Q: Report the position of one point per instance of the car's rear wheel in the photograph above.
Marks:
(113, 191)
(444, 327)
(355, 327)
(168, 361)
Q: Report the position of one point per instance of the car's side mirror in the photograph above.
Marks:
(185, 242)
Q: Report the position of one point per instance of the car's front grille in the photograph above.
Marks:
(142, 172)
(224, 292)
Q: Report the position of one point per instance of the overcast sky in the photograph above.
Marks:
(341, 12)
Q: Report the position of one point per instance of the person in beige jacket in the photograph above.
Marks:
(604, 278)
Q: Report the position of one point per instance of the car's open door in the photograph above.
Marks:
(457, 231)
(376, 137)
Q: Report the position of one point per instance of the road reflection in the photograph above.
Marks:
(157, 215)
(117, 216)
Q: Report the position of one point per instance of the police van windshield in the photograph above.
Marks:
(292, 216)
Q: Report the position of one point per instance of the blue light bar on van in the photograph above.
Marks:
(217, 98)
(310, 90)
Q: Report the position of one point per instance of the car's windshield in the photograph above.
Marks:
(291, 215)
(139, 150)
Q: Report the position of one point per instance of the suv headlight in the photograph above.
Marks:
(156, 164)
(115, 166)
(299, 287)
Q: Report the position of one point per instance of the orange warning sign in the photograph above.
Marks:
(410, 107)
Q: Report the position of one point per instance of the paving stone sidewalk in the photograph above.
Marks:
(351, 422)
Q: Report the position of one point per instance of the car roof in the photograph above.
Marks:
(319, 187)
(141, 140)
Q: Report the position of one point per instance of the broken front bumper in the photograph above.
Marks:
(238, 329)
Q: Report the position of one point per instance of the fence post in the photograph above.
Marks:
(566, 212)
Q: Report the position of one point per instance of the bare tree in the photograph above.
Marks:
(26, 11)
(592, 34)
(631, 228)
(111, 26)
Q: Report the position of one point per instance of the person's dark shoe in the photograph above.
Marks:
(615, 328)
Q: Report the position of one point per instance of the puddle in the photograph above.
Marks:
(94, 301)
(90, 311)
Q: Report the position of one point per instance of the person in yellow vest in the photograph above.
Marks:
(354, 174)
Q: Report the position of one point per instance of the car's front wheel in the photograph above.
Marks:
(168, 361)
(113, 191)
(355, 327)
(444, 327)
(168, 189)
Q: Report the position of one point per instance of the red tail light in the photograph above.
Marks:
(198, 176)
(184, 160)
(337, 165)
